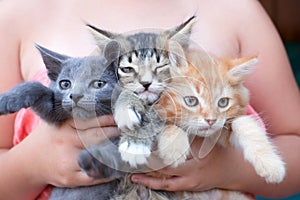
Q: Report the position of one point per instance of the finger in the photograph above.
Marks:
(180, 170)
(168, 184)
(95, 135)
(101, 121)
(82, 179)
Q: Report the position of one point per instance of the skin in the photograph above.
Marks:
(231, 28)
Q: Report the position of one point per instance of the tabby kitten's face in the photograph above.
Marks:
(145, 71)
(209, 94)
(145, 62)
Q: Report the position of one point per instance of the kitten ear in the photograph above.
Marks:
(241, 68)
(181, 33)
(102, 37)
(52, 60)
(112, 51)
(177, 56)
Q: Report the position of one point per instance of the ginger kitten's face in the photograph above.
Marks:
(209, 93)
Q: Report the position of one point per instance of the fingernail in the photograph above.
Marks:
(134, 179)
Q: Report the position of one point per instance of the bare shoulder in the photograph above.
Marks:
(237, 28)
(273, 89)
(16, 24)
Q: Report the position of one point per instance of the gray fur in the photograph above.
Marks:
(81, 100)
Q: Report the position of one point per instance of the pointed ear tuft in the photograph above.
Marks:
(102, 37)
(181, 33)
(242, 68)
(52, 60)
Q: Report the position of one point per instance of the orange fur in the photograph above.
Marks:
(207, 77)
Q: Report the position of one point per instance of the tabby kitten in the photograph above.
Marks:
(145, 68)
(209, 99)
(79, 87)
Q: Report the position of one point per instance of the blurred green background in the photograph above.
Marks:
(293, 50)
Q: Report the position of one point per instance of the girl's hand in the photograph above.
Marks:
(218, 169)
(55, 150)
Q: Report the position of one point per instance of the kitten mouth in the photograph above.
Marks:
(204, 129)
(148, 96)
(76, 107)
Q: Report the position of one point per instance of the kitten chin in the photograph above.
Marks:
(149, 97)
(81, 113)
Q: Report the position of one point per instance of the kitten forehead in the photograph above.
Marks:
(92, 66)
(143, 41)
(144, 57)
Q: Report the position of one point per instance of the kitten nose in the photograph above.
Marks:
(210, 121)
(76, 97)
(146, 84)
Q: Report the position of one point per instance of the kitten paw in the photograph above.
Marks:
(11, 104)
(93, 167)
(134, 154)
(173, 146)
(127, 118)
(257, 149)
(271, 169)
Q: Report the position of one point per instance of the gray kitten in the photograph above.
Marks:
(79, 87)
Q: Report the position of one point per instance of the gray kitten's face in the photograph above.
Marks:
(83, 86)
(86, 86)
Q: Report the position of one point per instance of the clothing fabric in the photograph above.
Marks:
(26, 121)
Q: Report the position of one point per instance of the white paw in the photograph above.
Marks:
(173, 146)
(271, 167)
(258, 149)
(134, 154)
(127, 118)
(174, 159)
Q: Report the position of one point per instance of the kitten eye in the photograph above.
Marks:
(65, 84)
(98, 84)
(191, 101)
(223, 102)
(161, 66)
(127, 69)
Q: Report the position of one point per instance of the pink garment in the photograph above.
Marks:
(26, 121)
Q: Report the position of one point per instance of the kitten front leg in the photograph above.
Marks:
(103, 160)
(135, 152)
(136, 145)
(257, 149)
(127, 117)
(22, 96)
(129, 110)
(173, 145)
